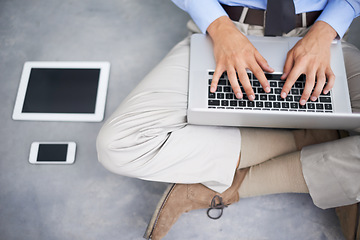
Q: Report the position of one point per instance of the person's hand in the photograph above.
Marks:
(234, 54)
(311, 56)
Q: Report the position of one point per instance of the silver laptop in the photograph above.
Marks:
(331, 111)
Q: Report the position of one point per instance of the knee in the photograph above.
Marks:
(103, 144)
(127, 151)
(110, 150)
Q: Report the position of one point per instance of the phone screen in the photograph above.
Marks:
(52, 152)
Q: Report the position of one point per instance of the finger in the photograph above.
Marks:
(259, 74)
(245, 82)
(215, 80)
(309, 85)
(330, 80)
(234, 83)
(263, 63)
(320, 82)
(291, 79)
(289, 63)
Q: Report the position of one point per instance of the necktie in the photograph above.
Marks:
(280, 17)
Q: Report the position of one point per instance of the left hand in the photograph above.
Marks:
(311, 56)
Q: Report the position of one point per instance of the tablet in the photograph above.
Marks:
(62, 91)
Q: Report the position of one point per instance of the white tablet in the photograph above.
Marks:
(62, 91)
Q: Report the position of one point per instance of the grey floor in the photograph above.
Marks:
(83, 200)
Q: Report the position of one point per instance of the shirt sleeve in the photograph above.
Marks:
(203, 12)
(332, 172)
(339, 14)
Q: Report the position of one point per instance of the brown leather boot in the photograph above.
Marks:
(349, 221)
(181, 198)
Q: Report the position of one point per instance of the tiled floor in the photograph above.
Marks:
(83, 200)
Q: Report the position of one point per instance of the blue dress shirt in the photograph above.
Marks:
(337, 13)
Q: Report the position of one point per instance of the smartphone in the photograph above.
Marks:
(52, 152)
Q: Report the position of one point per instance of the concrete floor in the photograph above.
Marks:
(83, 200)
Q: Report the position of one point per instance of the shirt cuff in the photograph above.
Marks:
(338, 14)
(204, 12)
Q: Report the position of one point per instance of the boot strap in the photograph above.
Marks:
(216, 206)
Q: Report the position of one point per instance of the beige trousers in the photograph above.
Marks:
(148, 136)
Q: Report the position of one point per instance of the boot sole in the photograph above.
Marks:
(152, 224)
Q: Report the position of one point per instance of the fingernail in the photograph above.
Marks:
(212, 89)
(302, 102)
(326, 91)
(313, 98)
(267, 89)
(283, 94)
(251, 97)
(239, 95)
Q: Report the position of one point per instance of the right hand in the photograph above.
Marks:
(234, 53)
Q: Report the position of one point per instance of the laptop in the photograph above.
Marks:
(331, 111)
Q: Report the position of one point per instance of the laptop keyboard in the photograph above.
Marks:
(224, 97)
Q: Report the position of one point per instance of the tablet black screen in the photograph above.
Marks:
(61, 91)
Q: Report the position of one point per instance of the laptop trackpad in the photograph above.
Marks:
(273, 51)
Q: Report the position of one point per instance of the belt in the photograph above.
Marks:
(257, 16)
